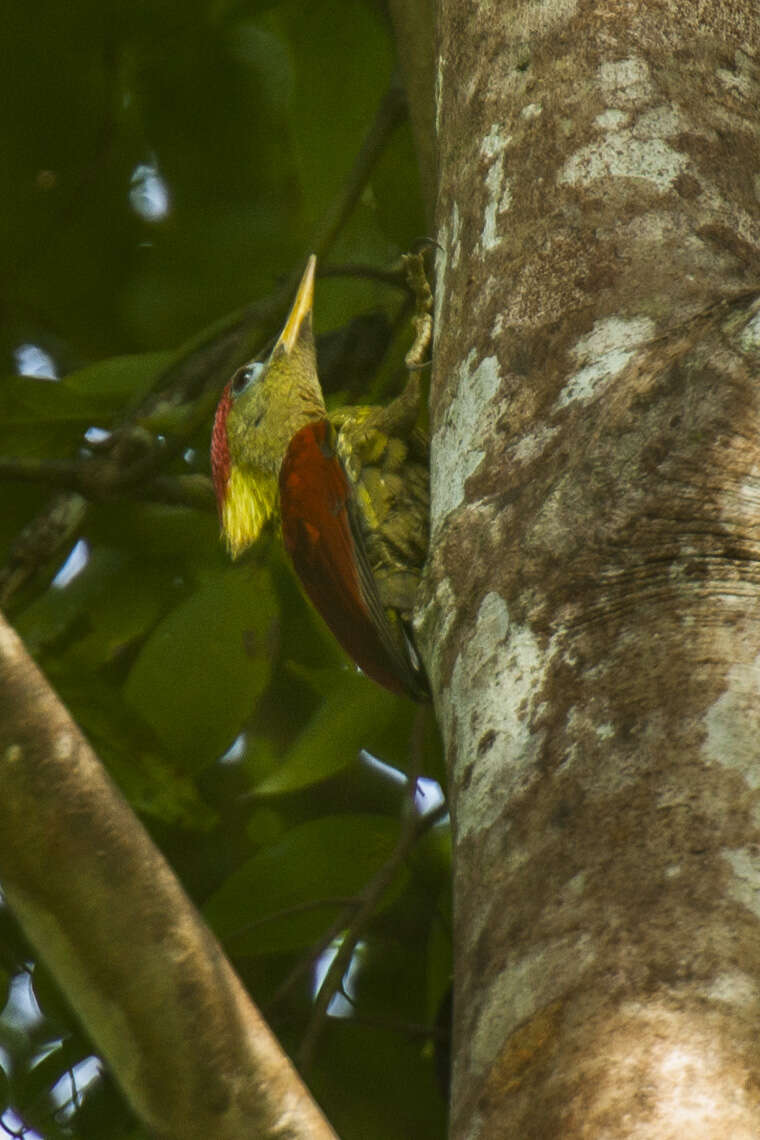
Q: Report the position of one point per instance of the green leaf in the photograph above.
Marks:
(168, 535)
(267, 59)
(108, 605)
(259, 909)
(205, 665)
(40, 418)
(351, 717)
(377, 1084)
(395, 183)
(110, 384)
(342, 64)
(155, 785)
(47, 418)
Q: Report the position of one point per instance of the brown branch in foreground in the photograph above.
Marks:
(147, 978)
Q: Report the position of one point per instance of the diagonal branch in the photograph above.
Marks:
(103, 908)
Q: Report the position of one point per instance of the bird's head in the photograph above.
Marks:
(261, 409)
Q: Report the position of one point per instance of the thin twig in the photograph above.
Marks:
(289, 912)
(394, 278)
(390, 114)
(413, 828)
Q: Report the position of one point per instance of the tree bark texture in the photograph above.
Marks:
(146, 977)
(592, 621)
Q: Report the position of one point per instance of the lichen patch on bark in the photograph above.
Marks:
(602, 354)
(730, 737)
(456, 449)
(490, 710)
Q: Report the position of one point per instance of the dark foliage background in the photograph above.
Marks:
(166, 169)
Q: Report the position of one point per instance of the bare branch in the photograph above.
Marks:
(100, 904)
(414, 828)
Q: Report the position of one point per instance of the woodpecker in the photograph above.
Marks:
(349, 489)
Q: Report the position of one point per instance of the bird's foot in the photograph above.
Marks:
(414, 264)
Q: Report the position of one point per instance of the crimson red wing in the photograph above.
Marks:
(329, 558)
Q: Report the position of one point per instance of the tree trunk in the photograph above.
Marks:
(596, 507)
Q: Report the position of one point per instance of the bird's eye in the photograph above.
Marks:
(245, 376)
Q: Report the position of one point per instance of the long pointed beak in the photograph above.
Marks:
(301, 309)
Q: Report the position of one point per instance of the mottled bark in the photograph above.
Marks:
(593, 620)
(146, 977)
